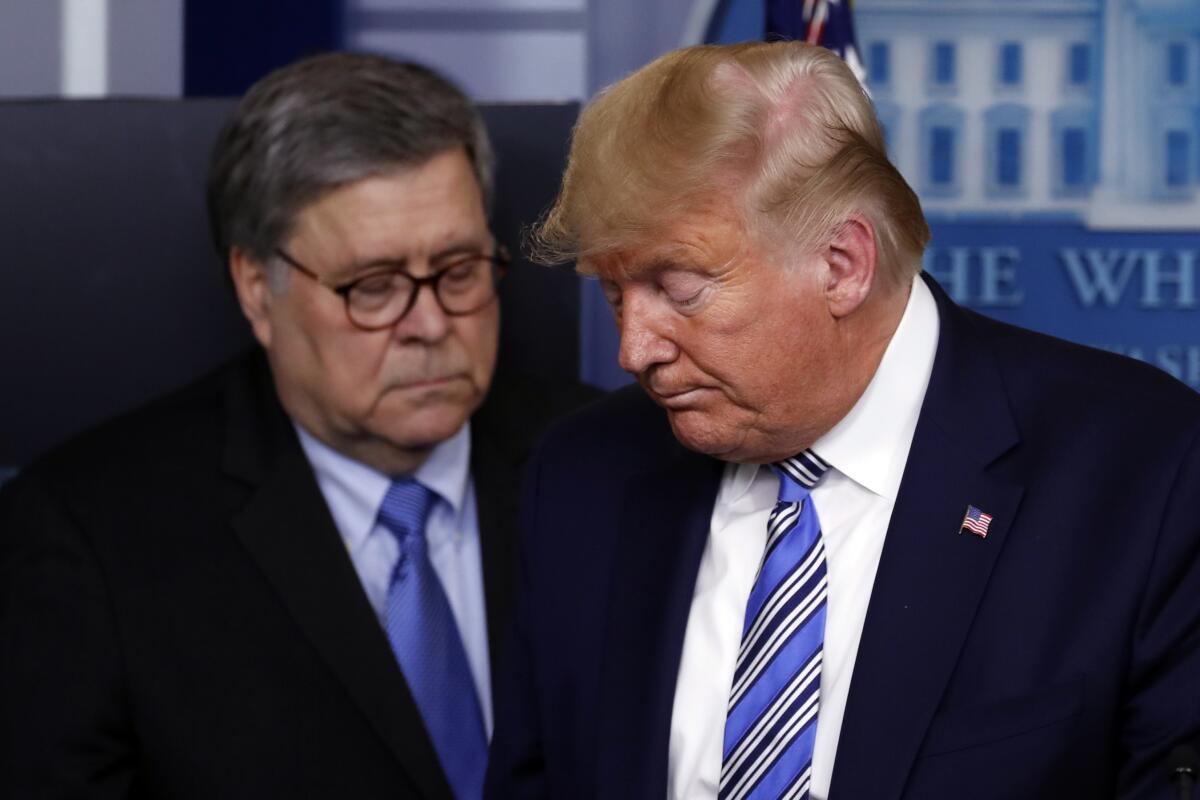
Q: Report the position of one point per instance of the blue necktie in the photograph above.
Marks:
(771, 721)
(424, 636)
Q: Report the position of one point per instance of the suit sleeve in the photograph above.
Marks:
(516, 762)
(63, 729)
(1162, 707)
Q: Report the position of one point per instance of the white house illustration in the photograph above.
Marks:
(1082, 110)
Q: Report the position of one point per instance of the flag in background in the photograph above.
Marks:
(825, 22)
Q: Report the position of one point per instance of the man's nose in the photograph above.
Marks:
(425, 321)
(645, 341)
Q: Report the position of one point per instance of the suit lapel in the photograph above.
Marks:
(930, 578)
(664, 527)
(288, 531)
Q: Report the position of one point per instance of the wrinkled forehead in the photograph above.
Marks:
(709, 231)
(637, 263)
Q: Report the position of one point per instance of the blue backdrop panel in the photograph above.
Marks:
(1130, 292)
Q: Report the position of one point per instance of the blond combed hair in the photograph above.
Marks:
(783, 130)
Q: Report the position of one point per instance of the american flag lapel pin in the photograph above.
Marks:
(976, 522)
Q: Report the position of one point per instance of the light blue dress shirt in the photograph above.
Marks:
(354, 492)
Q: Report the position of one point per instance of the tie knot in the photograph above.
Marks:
(405, 507)
(799, 474)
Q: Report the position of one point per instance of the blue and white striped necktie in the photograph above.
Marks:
(771, 721)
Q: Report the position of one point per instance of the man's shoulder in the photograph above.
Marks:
(173, 436)
(1084, 386)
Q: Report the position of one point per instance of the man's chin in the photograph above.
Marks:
(699, 432)
(422, 420)
(424, 428)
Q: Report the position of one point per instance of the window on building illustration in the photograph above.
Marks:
(1008, 157)
(1178, 145)
(1073, 150)
(941, 155)
(943, 63)
(1010, 63)
(1079, 66)
(1177, 58)
(940, 129)
(1006, 126)
(1074, 158)
(879, 63)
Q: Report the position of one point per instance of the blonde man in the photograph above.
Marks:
(847, 539)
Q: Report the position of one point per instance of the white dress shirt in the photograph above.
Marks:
(867, 451)
(354, 493)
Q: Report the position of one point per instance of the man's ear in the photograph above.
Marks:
(254, 292)
(850, 255)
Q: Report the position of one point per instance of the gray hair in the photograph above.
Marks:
(324, 122)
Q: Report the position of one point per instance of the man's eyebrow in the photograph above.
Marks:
(468, 247)
(656, 264)
(359, 268)
(368, 266)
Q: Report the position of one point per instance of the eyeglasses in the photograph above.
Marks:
(381, 299)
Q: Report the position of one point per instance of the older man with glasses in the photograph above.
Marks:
(290, 580)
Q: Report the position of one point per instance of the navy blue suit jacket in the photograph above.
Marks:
(1057, 657)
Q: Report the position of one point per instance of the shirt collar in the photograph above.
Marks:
(741, 477)
(870, 444)
(353, 491)
(448, 468)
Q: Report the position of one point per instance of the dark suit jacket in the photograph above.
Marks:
(179, 617)
(1057, 657)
